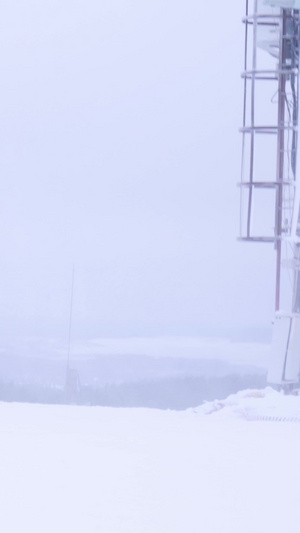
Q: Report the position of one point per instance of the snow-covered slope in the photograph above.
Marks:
(93, 469)
(267, 404)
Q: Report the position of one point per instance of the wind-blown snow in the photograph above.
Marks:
(272, 406)
(95, 469)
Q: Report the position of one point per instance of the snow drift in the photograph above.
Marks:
(70, 468)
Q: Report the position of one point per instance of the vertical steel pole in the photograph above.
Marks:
(252, 119)
(244, 112)
(280, 156)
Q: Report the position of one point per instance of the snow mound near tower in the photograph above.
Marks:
(267, 404)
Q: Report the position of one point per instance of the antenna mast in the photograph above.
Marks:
(72, 384)
(270, 182)
(70, 319)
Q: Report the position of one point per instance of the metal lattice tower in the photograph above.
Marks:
(270, 183)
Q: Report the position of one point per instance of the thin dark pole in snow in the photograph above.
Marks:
(70, 319)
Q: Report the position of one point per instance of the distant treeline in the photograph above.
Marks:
(170, 393)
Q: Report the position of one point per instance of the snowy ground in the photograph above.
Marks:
(94, 469)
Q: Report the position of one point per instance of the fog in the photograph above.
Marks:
(130, 316)
(120, 155)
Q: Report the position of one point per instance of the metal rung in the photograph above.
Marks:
(257, 239)
(252, 73)
(257, 16)
(274, 24)
(266, 184)
(259, 78)
(267, 129)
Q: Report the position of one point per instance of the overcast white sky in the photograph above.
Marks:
(120, 153)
